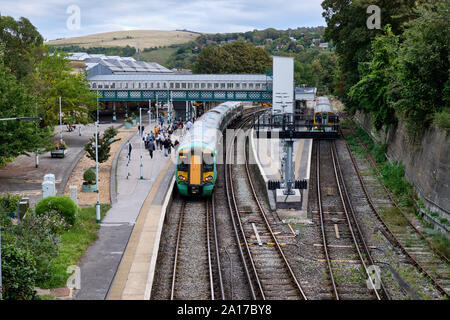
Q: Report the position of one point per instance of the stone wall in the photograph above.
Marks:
(426, 162)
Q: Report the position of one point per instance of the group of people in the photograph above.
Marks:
(161, 137)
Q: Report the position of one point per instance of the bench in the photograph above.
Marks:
(60, 153)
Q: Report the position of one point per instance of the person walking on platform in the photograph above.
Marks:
(129, 148)
(151, 148)
(167, 145)
(161, 141)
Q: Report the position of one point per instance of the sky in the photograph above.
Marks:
(70, 18)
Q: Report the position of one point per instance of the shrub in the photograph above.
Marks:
(8, 202)
(40, 235)
(89, 176)
(64, 206)
(109, 133)
(18, 272)
(442, 119)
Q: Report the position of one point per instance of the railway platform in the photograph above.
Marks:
(119, 265)
(266, 154)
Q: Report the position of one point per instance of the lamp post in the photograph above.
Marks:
(97, 205)
(141, 167)
(60, 122)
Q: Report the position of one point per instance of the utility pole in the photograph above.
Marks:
(60, 122)
(140, 142)
(97, 206)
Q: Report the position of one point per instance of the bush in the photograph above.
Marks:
(89, 176)
(64, 206)
(18, 272)
(109, 133)
(442, 119)
(8, 202)
(40, 235)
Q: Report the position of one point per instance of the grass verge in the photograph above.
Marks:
(73, 245)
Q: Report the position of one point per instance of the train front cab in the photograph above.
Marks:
(196, 172)
(322, 119)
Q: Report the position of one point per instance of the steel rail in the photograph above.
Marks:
(322, 224)
(343, 191)
(208, 244)
(391, 197)
(391, 233)
(216, 243)
(177, 246)
(263, 214)
(232, 208)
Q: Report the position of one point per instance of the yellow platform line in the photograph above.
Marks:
(131, 277)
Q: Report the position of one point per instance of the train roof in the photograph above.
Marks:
(323, 108)
(205, 128)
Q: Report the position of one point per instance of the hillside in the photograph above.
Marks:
(145, 38)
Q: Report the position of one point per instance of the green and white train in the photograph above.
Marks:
(196, 171)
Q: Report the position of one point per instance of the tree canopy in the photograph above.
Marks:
(236, 57)
(31, 80)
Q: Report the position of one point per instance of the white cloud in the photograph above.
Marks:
(50, 16)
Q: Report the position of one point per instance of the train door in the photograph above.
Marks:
(195, 171)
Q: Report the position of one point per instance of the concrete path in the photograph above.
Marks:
(100, 263)
(22, 176)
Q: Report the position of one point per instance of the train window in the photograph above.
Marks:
(182, 162)
(331, 118)
(208, 161)
(318, 117)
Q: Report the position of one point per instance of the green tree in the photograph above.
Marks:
(423, 73)
(18, 137)
(236, 57)
(20, 40)
(51, 79)
(104, 146)
(372, 92)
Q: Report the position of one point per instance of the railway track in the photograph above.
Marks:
(267, 269)
(344, 248)
(196, 249)
(402, 232)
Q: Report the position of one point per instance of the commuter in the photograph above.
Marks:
(167, 146)
(151, 148)
(161, 141)
(188, 124)
(129, 148)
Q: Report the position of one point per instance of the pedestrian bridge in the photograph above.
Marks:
(183, 87)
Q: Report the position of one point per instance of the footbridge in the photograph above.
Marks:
(183, 87)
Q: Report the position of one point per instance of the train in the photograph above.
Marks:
(324, 115)
(196, 171)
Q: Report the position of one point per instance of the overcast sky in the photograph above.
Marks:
(51, 16)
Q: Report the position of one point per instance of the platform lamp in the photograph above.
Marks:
(97, 205)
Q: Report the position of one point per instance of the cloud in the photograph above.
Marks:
(50, 16)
